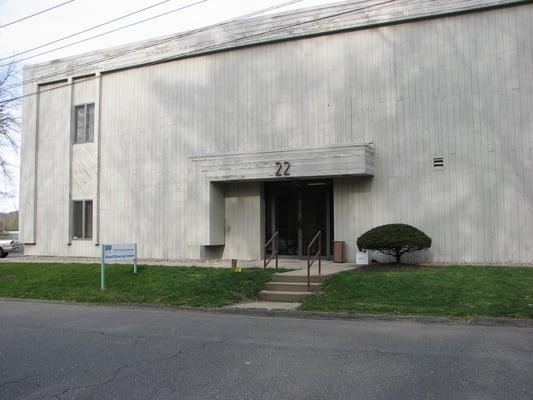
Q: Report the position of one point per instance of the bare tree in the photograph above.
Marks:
(9, 126)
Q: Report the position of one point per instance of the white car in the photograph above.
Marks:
(6, 246)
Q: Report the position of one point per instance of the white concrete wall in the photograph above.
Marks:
(28, 156)
(53, 154)
(458, 87)
(243, 224)
(64, 172)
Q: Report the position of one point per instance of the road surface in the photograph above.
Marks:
(57, 351)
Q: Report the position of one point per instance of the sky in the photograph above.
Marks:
(78, 15)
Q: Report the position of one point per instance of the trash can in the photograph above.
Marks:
(338, 251)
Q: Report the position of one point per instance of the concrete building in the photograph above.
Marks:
(338, 118)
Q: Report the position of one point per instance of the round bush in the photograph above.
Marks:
(394, 240)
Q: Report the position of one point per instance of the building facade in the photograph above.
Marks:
(337, 118)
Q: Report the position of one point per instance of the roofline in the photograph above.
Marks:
(468, 9)
(318, 34)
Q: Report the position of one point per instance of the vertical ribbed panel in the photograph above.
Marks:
(53, 169)
(460, 88)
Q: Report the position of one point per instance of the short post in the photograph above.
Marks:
(276, 244)
(102, 269)
(308, 271)
(320, 253)
(135, 260)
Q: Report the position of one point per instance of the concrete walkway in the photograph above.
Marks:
(298, 274)
(328, 267)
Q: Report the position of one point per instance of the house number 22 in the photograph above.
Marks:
(283, 168)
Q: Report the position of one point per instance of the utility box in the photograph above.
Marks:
(338, 251)
(361, 258)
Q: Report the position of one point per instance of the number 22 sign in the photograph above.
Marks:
(282, 168)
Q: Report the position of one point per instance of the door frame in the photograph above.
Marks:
(270, 203)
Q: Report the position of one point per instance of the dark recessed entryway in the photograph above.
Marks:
(298, 209)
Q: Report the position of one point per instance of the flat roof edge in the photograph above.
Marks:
(147, 50)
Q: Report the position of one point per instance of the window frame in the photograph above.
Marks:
(83, 220)
(88, 136)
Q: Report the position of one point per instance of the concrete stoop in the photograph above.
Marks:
(286, 277)
(290, 288)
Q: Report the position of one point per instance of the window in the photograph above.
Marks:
(84, 123)
(83, 219)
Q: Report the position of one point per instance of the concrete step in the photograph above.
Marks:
(297, 278)
(291, 286)
(271, 295)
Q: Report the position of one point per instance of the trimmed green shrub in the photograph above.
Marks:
(394, 240)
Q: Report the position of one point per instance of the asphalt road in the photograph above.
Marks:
(60, 351)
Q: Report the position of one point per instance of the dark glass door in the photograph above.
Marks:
(286, 221)
(298, 210)
(314, 217)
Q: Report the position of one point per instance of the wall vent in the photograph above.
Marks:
(438, 162)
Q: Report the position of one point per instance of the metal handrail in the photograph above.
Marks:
(274, 241)
(318, 254)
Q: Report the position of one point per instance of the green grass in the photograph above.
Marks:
(453, 291)
(176, 286)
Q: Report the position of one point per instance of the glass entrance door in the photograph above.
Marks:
(285, 206)
(314, 217)
(297, 210)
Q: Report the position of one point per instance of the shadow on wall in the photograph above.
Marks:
(417, 257)
(211, 252)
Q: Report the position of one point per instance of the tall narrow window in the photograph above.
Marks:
(83, 219)
(78, 220)
(84, 123)
(88, 224)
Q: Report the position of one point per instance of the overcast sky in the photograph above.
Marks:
(81, 14)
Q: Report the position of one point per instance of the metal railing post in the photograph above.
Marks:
(308, 270)
(274, 241)
(318, 254)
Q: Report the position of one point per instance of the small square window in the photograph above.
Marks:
(84, 123)
(82, 219)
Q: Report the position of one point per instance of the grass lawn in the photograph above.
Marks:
(453, 291)
(177, 286)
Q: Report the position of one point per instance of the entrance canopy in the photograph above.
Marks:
(325, 161)
(208, 173)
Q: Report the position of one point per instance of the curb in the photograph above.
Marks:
(318, 315)
(474, 321)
